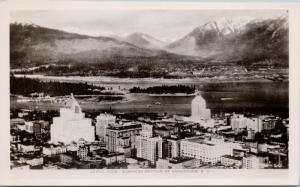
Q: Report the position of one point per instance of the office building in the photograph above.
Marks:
(207, 149)
(199, 110)
(149, 147)
(229, 160)
(178, 163)
(122, 137)
(54, 150)
(71, 125)
(82, 149)
(103, 121)
(250, 162)
(29, 126)
(173, 148)
(152, 149)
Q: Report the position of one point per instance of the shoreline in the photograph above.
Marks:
(116, 80)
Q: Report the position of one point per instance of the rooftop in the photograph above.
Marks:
(179, 160)
(125, 127)
(232, 157)
(200, 140)
(113, 154)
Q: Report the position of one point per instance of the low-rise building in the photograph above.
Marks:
(250, 162)
(19, 166)
(26, 148)
(229, 160)
(16, 121)
(208, 123)
(35, 161)
(178, 163)
(269, 122)
(82, 152)
(54, 150)
(114, 158)
(21, 127)
(66, 158)
(29, 126)
(250, 134)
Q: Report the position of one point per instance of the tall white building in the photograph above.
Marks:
(152, 149)
(122, 138)
(173, 148)
(149, 147)
(254, 124)
(71, 125)
(147, 131)
(199, 110)
(103, 120)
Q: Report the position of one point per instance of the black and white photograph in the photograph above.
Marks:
(149, 89)
(158, 89)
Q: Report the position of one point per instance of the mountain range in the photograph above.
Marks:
(243, 41)
(246, 42)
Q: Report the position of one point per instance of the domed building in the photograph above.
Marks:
(199, 110)
(71, 125)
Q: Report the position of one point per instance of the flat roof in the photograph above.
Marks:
(113, 155)
(200, 140)
(126, 127)
(232, 157)
(179, 160)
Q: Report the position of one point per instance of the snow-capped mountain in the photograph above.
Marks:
(222, 40)
(206, 37)
(235, 39)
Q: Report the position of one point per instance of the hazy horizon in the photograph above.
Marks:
(165, 25)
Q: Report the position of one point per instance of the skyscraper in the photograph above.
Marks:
(199, 110)
(149, 147)
(103, 120)
(122, 137)
(71, 125)
(152, 149)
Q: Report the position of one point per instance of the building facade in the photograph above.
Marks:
(250, 162)
(103, 121)
(71, 125)
(229, 160)
(173, 148)
(54, 150)
(208, 150)
(122, 136)
(149, 147)
(199, 110)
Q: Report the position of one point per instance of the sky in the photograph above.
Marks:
(166, 25)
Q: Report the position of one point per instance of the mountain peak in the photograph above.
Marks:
(144, 40)
(236, 39)
(222, 26)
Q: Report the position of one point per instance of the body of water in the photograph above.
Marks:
(261, 97)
